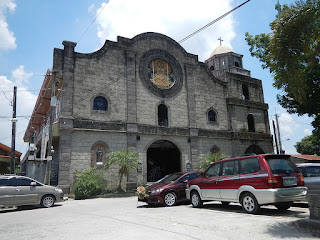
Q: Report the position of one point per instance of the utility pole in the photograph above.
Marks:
(279, 136)
(275, 137)
(13, 138)
(53, 104)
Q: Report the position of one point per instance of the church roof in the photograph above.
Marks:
(220, 50)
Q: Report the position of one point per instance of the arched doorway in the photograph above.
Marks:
(163, 158)
(254, 149)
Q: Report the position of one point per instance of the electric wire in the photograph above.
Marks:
(91, 23)
(212, 22)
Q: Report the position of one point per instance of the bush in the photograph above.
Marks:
(88, 183)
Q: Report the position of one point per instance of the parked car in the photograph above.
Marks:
(19, 191)
(169, 190)
(311, 174)
(251, 180)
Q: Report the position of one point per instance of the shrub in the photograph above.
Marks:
(88, 183)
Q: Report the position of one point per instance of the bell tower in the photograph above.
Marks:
(224, 59)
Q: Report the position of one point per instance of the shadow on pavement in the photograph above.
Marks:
(26, 208)
(264, 210)
(288, 230)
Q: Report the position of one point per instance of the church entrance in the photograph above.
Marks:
(163, 158)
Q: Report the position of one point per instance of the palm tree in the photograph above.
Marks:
(126, 161)
(209, 158)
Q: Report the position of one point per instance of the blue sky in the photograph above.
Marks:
(30, 30)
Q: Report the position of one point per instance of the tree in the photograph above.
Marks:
(127, 161)
(209, 158)
(309, 145)
(292, 52)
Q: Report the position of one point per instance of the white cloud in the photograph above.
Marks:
(25, 104)
(7, 39)
(307, 131)
(20, 76)
(287, 126)
(177, 19)
(91, 8)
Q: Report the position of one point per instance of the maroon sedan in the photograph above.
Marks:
(169, 190)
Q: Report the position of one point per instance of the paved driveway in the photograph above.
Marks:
(125, 218)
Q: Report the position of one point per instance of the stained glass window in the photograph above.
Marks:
(100, 103)
(161, 73)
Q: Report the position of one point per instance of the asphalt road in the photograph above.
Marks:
(125, 218)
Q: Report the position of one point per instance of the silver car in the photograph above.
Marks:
(311, 175)
(19, 191)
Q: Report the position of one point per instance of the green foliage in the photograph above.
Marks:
(205, 161)
(292, 52)
(309, 145)
(90, 182)
(127, 161)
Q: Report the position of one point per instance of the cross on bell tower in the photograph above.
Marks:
(220, 39)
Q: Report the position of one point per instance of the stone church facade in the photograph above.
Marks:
(148, 95)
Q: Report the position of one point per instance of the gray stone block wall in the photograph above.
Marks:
(210, 94)
(104, 76)
(113, 72)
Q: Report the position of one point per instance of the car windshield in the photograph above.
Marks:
(170, 178)
(311, 171)
(281, 165)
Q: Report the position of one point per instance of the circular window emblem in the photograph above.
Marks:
(160, 73)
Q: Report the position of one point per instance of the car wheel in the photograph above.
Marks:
(283, 206)
(170, 199)
(196, 200)
(47, 201)
(249, 203)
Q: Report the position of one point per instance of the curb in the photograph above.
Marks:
(111, 195)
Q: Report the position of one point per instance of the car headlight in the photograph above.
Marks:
(159, 190)
(58, 190)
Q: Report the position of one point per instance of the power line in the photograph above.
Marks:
(24, 90)
(92, 23)
(212, 22)
(291, 120)
(23, 75)
(11, 136)
(10, 101)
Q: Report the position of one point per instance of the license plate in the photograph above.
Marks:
(289, 181)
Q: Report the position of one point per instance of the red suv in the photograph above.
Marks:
(252, 181)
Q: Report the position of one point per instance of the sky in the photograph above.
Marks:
(31, 29)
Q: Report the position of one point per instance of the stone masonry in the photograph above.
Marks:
(118, 72)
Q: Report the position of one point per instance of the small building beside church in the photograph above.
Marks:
(5, 159)
(150, 96)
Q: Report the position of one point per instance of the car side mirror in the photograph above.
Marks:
(33, 184)
(185, 181)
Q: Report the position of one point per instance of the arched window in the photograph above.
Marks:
(215, 150)
(212, 116)
(100, 103)
(162, 115)
(245, 92)
(251, 127)
(236, 64)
